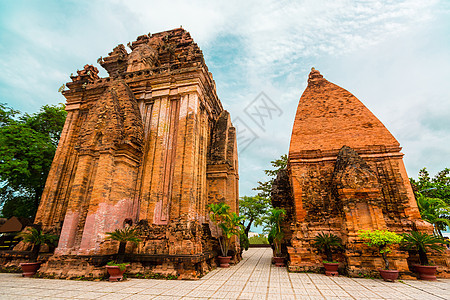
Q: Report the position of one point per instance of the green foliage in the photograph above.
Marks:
(37, 239)
(433, 198)
(127, 234)
(258, 240)
(264, 188)
(434, 210)
(228, 222)
(276, 217)
(436, 187)
(154, 276)
(254, 210)
(244, 242)
(122, 266)
(422, 242)
(27, 146)
(327, 242)
(381, 239)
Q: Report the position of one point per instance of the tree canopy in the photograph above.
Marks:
(27, 147)
(433, 187)
(433, 198)
(265, 187)
(255, 209)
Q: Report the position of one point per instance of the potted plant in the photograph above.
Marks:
(230, 224)
(382, 239)
(422, 242)
(276, 233)
(117, 268)
(35, 237)
(326, 243)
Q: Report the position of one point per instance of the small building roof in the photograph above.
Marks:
(15, 224)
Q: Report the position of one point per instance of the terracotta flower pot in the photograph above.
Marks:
(331, 269)
(426, 272)
(279, 261)
(224, 261)
(388, 275)
(115, 274)
(29, 269)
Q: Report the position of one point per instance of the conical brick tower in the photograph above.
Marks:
(346, 173)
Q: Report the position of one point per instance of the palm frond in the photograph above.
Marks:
(127, 234)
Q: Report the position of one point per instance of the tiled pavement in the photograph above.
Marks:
(253, 278)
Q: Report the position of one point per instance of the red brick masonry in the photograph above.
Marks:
(345, 173)
(150, 144)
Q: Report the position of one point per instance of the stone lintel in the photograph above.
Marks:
(296, 157)
(367, 193)
(118, 153)
(73, 106)
(219, 170)
(168, 89)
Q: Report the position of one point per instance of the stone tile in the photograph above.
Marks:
(113, 296)
(90, 295)
(267, 283)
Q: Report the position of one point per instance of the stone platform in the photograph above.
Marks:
(253, 278)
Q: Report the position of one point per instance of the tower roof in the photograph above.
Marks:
(329, 117)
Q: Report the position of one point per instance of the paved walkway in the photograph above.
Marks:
(253, 278)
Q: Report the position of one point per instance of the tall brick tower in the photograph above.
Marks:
(345, 173)
(150, 145)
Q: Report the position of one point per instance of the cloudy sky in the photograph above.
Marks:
(393, 55)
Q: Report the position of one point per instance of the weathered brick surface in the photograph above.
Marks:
(152, 144)
(345, 173)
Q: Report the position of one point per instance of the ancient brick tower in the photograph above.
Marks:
(150, 145)
(345, 173)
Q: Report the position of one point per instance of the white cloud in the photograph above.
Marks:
(393, 55)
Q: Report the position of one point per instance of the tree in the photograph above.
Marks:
(381, 239)
(436, 187)
(27, 146)
(35, 237)
(265, 187)
(436, 211)
(228, 222)
(327, 242)
(254, 210)
(276, 234)
(123, 236)
(422, 242)
(433, 198)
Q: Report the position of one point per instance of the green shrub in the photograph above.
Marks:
(243, 239)
(326, 243)
(258, 240)
(421, 242)
(381, 239)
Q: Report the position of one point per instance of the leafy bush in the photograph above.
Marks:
(258, 240)
(381, 239)
(422, 242)
(244, 241)
(127, 234)
(228, 222)
(327, 242)
(35, 237)
(276, 233)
